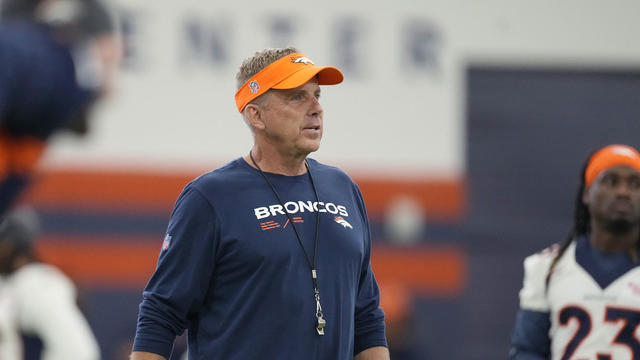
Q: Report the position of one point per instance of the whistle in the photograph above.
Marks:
(321, 324)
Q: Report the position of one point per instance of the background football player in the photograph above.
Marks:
(581, 299)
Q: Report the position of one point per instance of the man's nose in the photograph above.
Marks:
(316, 108)
(623, 189)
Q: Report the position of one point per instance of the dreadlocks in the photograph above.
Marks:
(581, 222)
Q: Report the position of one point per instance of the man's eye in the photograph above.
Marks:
(609, 180)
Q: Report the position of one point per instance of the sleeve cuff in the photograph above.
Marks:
(152, 346)
(369, 340)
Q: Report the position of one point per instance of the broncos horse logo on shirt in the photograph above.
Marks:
(340, 220)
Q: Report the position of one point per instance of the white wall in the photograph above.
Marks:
(391, 116)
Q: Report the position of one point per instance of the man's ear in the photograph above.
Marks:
(254, 115)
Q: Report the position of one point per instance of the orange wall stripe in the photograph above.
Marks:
(442, 200)
(107, 189)
(128, 263)
(125, 190)
(125, 263)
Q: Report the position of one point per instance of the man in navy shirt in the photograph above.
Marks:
(268, 257)
(580, 299)
(57, 57)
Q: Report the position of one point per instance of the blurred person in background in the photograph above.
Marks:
(581, 299)
(57, 58)
(396, 300)
(268, 257)
(50, 324)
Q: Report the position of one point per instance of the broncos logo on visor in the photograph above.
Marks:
(305, 60)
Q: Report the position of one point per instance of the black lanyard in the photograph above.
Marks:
(321, 323)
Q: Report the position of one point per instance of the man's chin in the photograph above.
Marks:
(619, 226)
(312, 147)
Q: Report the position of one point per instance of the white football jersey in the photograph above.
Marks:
(587, 321)
(10, 344)
(46, 307)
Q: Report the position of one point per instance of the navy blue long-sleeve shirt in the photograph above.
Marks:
(233, 273)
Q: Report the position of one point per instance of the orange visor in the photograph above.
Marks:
(287, 72)
(608, 157)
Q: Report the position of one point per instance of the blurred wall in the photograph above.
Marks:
(400, 111)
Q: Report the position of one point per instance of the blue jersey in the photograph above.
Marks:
(39, 94)
(233, 273)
